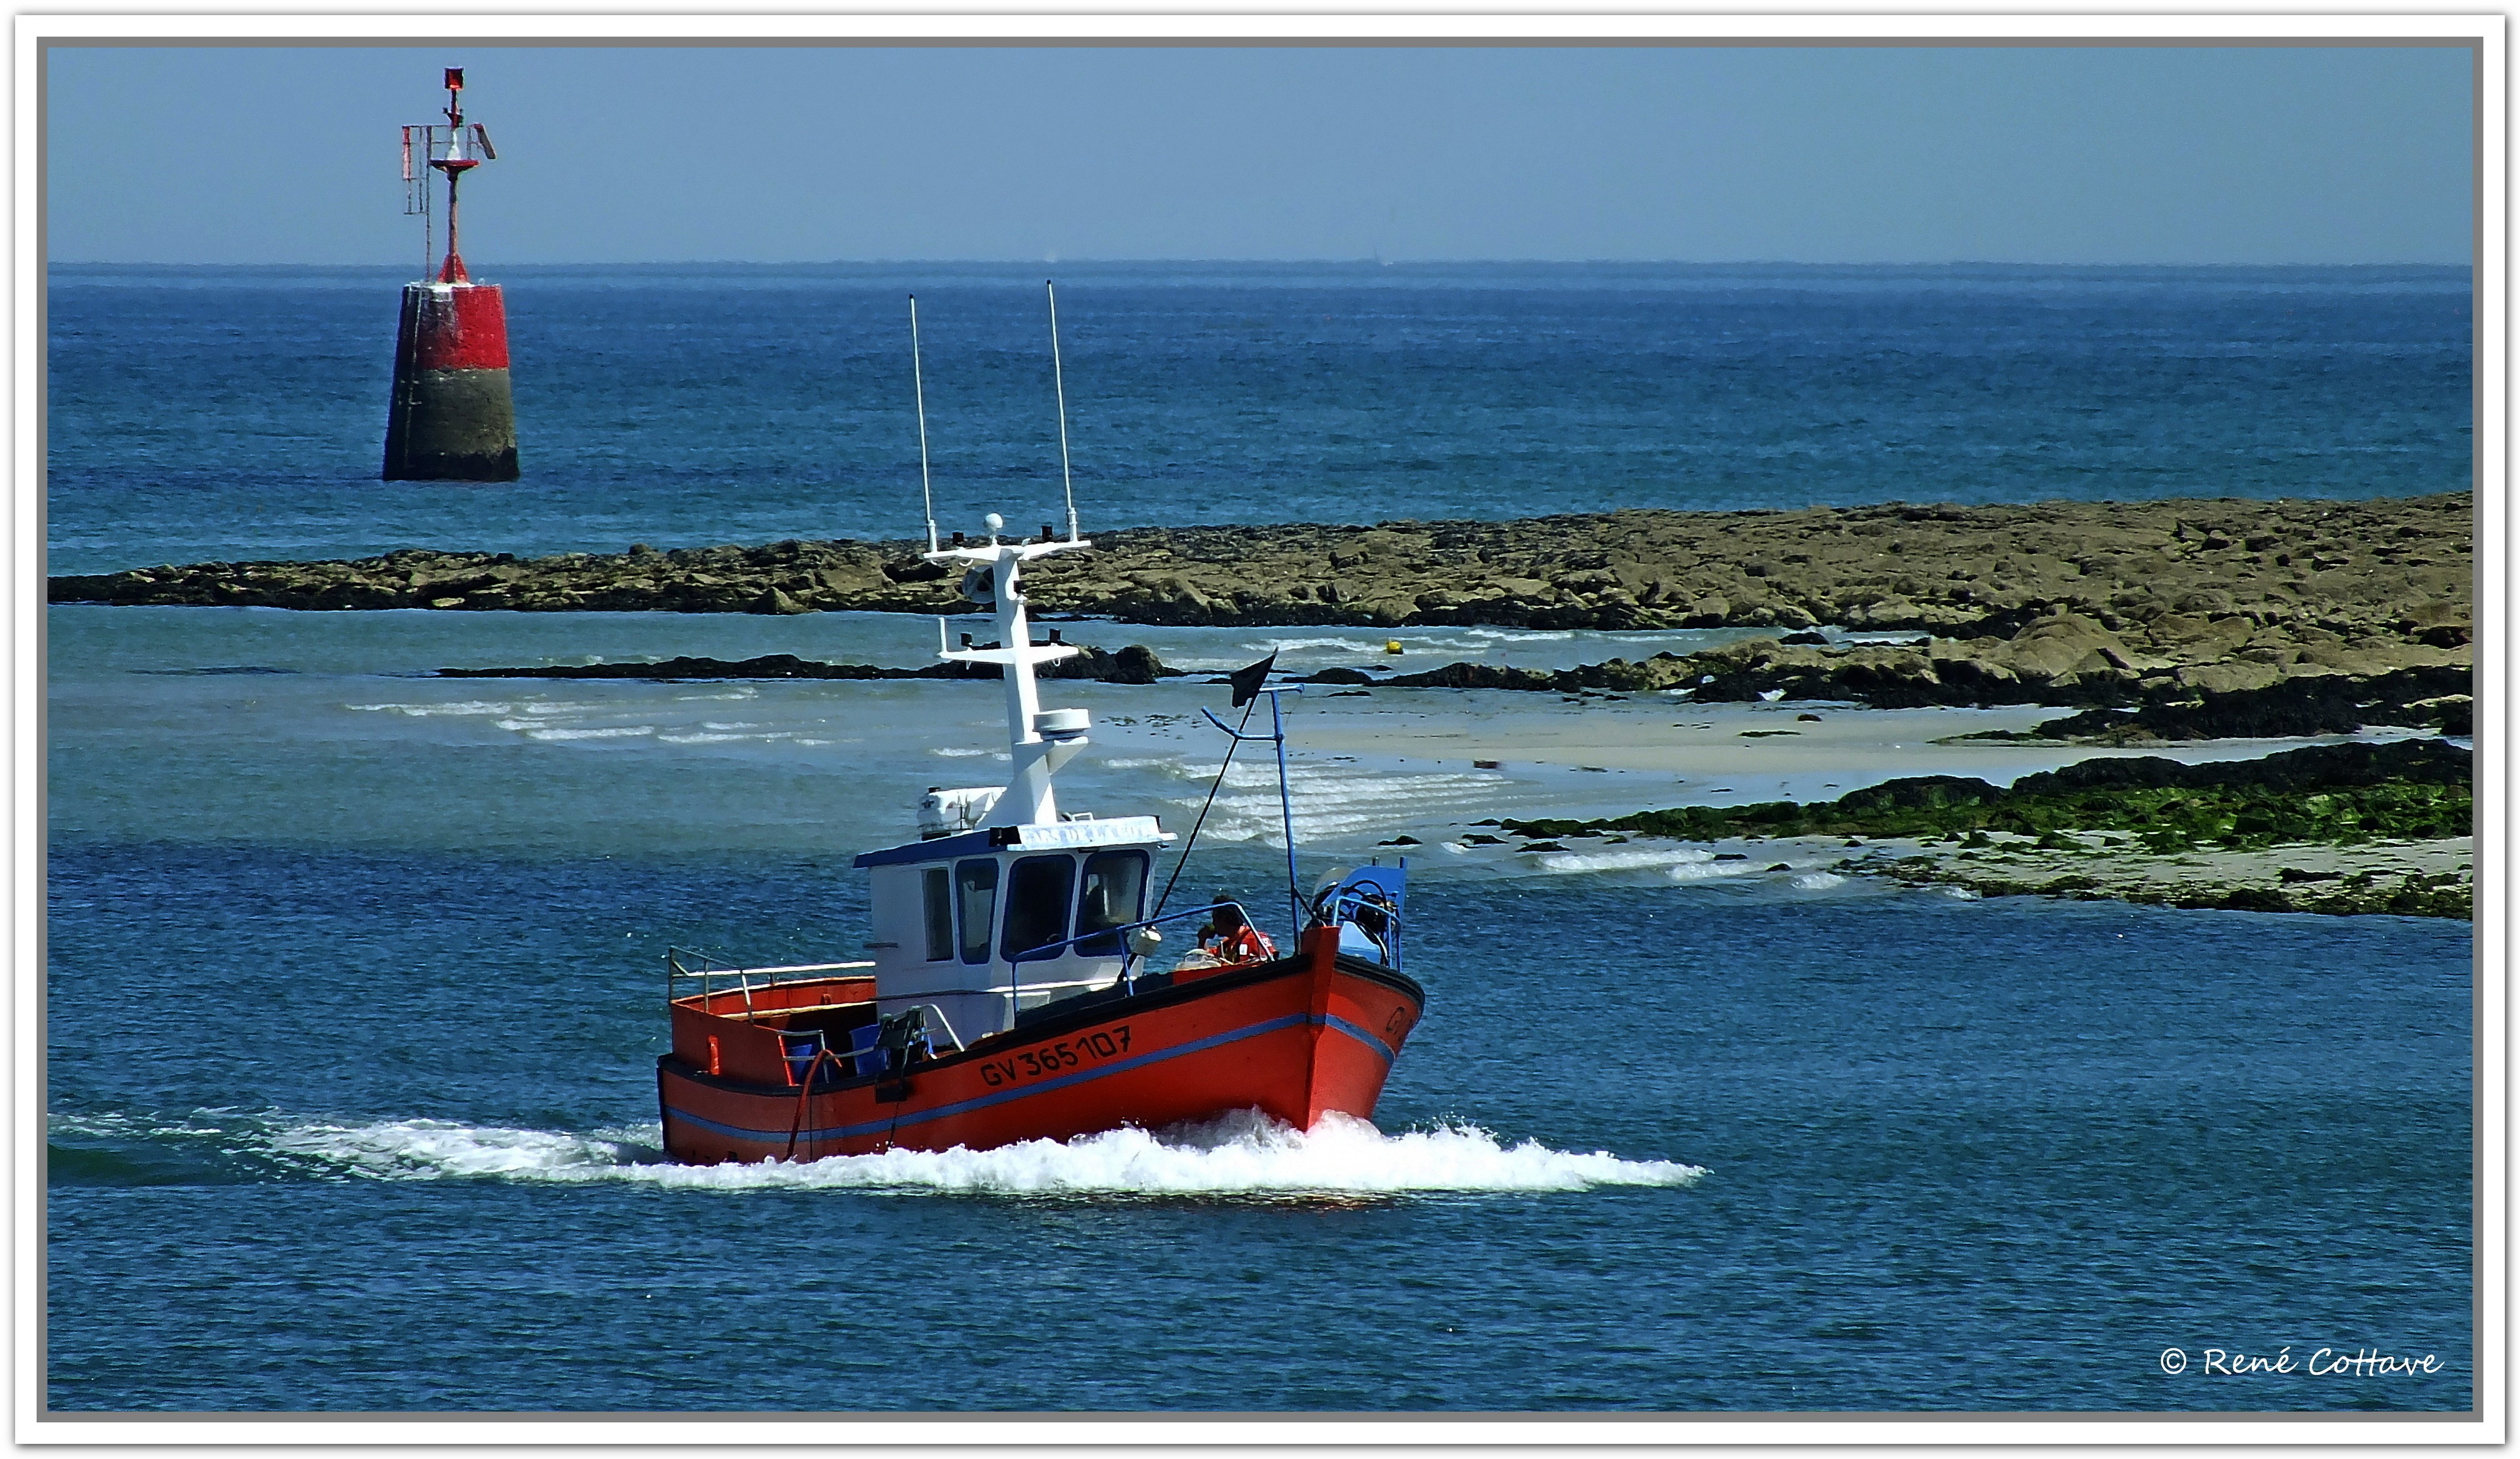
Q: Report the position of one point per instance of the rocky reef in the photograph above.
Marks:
(2123, 703)
(2083, 604)
(2165, 575)
(1134, 665)
(2405, 788)
(2261, 834)
(2439, 696)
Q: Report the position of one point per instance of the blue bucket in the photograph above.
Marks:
(865, 1057)
(801, 1049)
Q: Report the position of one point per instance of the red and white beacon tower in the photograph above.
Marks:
(452, 418)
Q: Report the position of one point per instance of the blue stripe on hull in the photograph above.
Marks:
(1377, 1046)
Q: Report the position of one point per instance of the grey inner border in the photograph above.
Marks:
(44, 711)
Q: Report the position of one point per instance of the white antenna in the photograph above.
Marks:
(1058, 374)
(919, 384)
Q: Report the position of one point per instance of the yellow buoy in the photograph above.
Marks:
(1391, 646)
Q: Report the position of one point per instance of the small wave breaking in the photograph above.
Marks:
(1707, 871)
(610, 732)
(477, 709)
(1568, 862)
(1343, 802)
(703, 737)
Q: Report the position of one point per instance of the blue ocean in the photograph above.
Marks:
(355, 975)
(234, 414)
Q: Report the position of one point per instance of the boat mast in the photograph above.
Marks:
(1058, 375)
(1038, 741)
(919, 386)
(1287, 808)
(1285, 797)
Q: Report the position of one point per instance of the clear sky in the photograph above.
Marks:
(1893, 154)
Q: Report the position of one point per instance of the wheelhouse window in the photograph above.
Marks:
(1114, 896)
(1038, 892)
(938, 885)
(975, 886)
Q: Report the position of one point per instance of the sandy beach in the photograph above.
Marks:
(1705, 754)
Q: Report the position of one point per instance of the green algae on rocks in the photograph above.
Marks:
(2323, 794)
(2411, 895)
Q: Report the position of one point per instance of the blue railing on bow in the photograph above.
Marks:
(1362, 907)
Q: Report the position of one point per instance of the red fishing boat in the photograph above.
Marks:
(1013, 993)
(755, 1074)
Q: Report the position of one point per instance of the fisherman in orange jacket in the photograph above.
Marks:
(1229, 939)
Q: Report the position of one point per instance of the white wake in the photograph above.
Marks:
(1242, 1154)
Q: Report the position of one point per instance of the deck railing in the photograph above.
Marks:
(689, 972)
(1359, 906)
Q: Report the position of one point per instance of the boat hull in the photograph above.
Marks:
(1296, 1038)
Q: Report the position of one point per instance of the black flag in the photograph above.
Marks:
(1246, 682)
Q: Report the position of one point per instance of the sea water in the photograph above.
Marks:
(355, 987)
(222, 414)
(355, 974)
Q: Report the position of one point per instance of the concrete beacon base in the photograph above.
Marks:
(452, 418)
